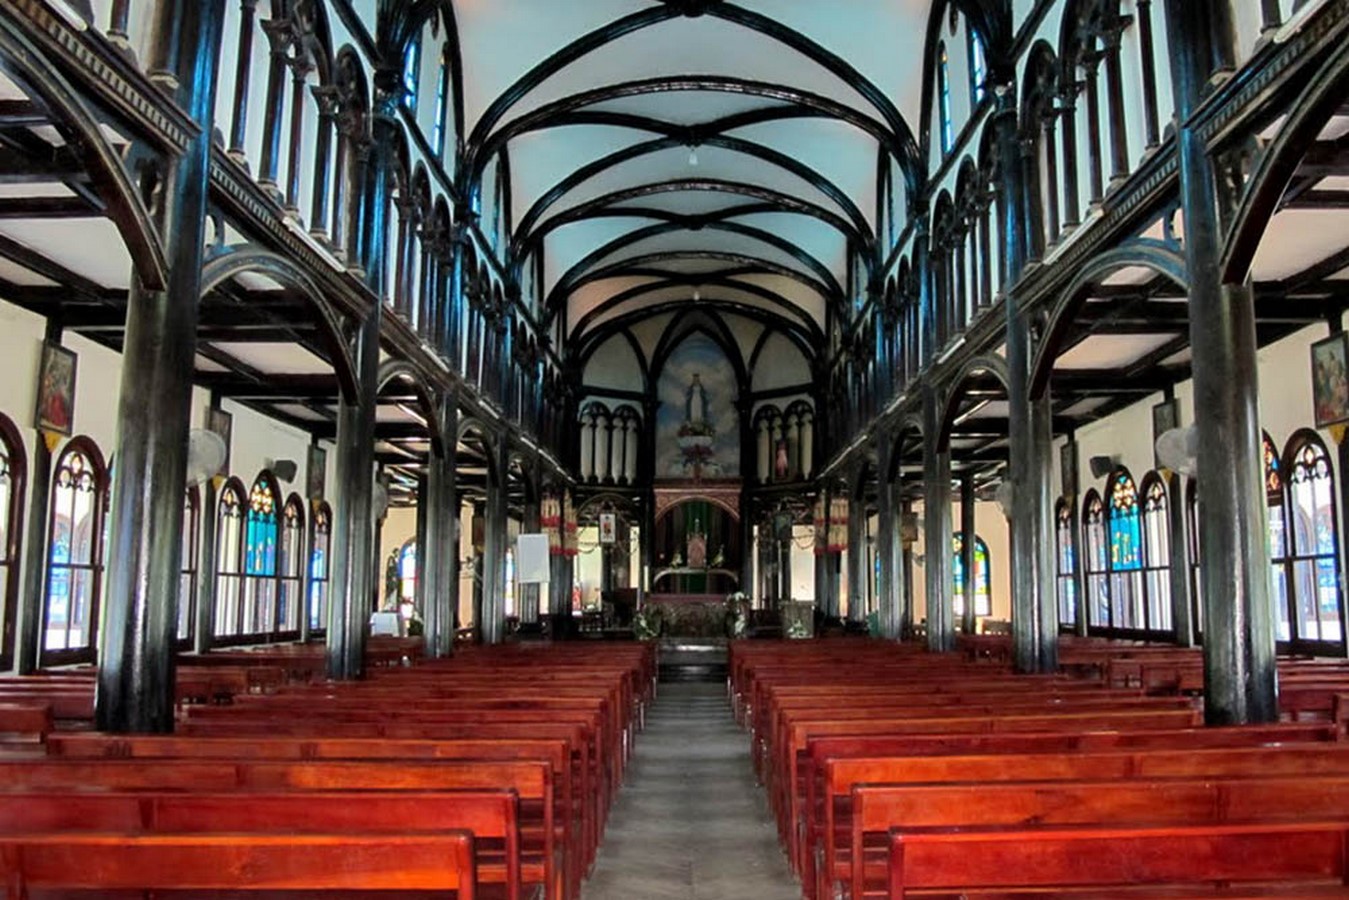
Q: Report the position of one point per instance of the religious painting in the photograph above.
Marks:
(56, 390)
(317, 474)
(1330, 380)
(608, 528)
(698, 426)
(1165, 417)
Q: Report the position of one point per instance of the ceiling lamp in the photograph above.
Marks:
(697, 295)
(693, 156)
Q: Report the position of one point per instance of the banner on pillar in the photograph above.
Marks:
(569, 543)
(821, 526)
(550, 522)
(837, 541)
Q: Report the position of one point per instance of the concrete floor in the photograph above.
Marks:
(690, 823)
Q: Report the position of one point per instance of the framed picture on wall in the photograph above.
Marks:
(1330, 380)
(56, 390)
(608, 527)
(316, 475)
(222, 423)
(1165, 416)
(1068, 468)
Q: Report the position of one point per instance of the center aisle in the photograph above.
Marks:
(690, 823)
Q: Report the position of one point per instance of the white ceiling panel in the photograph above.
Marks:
(276, 358)
(693, 242)
(91, 248)
(691, 107)
(503, 41)
(568, 245)
(714, 163)
(542, 159)
(594, 293)
(1297, 239)
(706, 45)
(1111, 351)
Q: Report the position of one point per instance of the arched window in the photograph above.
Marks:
(442, 106)
(187, 579)
(1278, 543)
(229, 583)
(407, 572)
(1096, 560)
(1126, 553)
(1279, 561)
(13, 475)
(319, 549)
(412, 71)
(948, 139)
(261, 533)
(983, 594)
(1196, 568)
(1313, 566)
(1066, 554)
(291, 566)
(1156, 554)
(978, 66)
(512, 606)
(74, 554)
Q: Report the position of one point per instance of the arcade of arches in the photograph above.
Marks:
(877, 310)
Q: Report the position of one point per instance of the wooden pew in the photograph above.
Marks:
(1115, 861)
(489, 816)
(831, 814)
(239, 862)
(880, 810)
(530, 780)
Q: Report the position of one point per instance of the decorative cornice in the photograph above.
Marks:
(109, 77)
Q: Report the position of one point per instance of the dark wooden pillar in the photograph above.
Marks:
(203, 631)
(888, 551)
(243, 67)
(1182, 615)
(1239, 664)
(857, 555)
(135, 678)
(937, 540)
(1040, 494)
(967, 548)
(355, 572)
(492, 627)
(438, 555)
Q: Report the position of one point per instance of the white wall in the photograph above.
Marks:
(989, 524)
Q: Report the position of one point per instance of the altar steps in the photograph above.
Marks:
(691, 659)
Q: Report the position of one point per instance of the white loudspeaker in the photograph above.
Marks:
(531, 558)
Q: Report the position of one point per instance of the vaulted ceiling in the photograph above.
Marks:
(659, 151)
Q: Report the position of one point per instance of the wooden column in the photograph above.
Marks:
(937, 541)
(139, 627)
(28, 636)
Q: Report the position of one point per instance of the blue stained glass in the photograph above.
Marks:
(1126, 533)
(260, 530)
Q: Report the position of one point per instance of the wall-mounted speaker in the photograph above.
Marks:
(1101, 466)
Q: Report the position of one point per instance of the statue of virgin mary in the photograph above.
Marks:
(695, 402)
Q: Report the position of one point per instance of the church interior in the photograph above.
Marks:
(674, 448)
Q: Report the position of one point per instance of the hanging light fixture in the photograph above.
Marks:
(697, 295)
(693, 156)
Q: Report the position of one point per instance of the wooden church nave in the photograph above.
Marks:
(674, 448)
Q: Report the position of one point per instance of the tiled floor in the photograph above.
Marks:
(690, 823)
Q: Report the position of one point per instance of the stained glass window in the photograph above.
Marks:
(944, 95)
(12, 469)
(978, 66)
(261, 526)
(412, 72)
(229, 559)
(75, 557)
(1096, 559)
(983, 594)
(1156, 555)
(318, 568)
(442, 108)
(1313, 560)
(1278, 541)
(1066, 553)
(1126, 553)
(407, 572)
(291, 565)
(187, 579)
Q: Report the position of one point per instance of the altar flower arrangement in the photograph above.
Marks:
(648, 622)
(737, 614)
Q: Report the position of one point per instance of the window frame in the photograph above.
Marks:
(16, 468)
(1298, 443)
(1065, 563)
(320, 527)
(976, 53)
(983, 580)
(98, 473)
(189, 568)
(945, 118)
